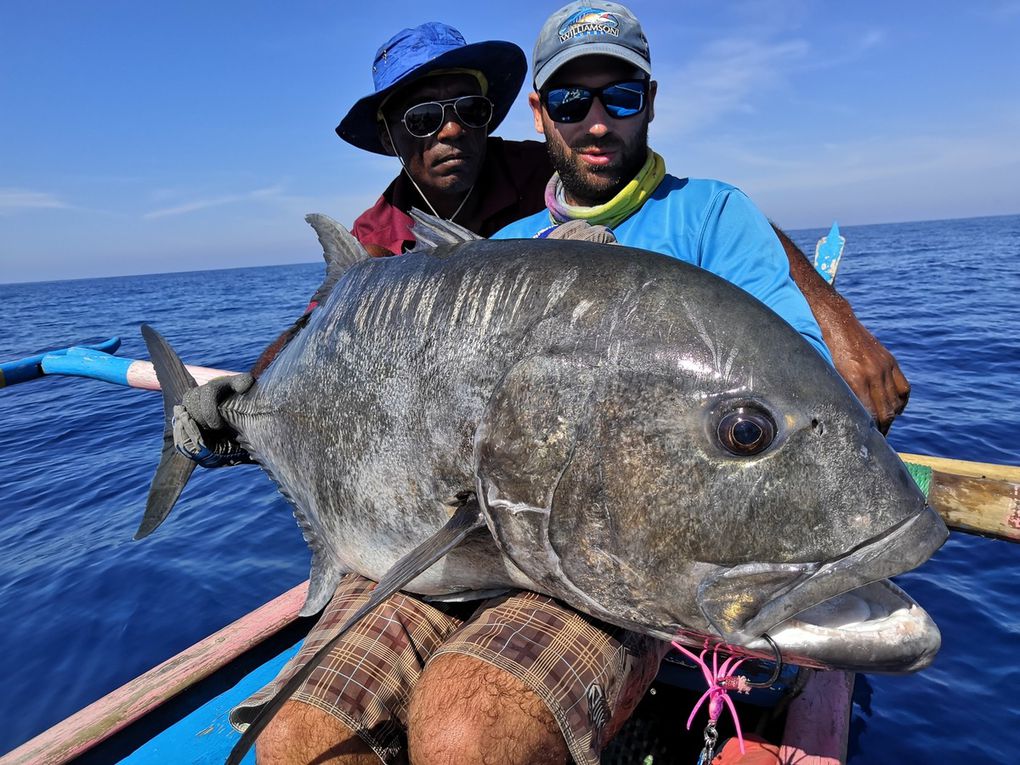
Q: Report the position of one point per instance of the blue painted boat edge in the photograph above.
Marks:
(87, 362)
(30, 367)
(205, 735)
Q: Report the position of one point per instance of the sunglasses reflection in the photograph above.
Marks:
(572, 104)
(425, 119)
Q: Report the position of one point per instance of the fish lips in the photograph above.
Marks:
(743, 602)
(875, 628)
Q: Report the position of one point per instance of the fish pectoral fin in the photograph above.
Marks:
(467, 518)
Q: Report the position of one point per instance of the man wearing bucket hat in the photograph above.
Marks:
(435, 102)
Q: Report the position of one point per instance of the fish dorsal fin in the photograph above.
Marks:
(430, 231)
(340, 250)
(465, 519)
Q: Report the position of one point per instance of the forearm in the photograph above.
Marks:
(826, 303)
(861, 360)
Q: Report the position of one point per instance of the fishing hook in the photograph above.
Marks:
(778, 664)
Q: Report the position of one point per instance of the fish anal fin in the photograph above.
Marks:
(467, 518)
(322, 582)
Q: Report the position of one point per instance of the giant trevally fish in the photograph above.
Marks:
(615, 428)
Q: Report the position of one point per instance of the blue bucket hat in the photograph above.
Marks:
(413, 53)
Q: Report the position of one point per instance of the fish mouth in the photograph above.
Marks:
(876, 628)
(726, 599)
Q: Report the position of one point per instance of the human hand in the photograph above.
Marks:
(200, 432)
(868, 368)
(583, 231)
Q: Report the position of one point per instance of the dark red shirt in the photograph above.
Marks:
(511, 185)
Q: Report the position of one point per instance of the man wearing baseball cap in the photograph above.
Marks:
(593, 101)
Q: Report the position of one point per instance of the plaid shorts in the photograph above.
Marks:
(590, 674)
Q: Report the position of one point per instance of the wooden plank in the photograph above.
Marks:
(989, 470)
(974, 497)
(986, 506)
(818, 721)
(141, 374)
(117, 710)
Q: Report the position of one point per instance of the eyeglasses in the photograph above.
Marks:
(424, 120)
(621, 100)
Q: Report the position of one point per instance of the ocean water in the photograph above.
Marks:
(83, 608)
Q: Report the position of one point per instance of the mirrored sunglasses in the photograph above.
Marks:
(620, 100)
(424, 120)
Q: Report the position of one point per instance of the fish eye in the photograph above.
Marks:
(746, 431)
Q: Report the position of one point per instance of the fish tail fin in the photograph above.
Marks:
(174, 468)
(465, 519)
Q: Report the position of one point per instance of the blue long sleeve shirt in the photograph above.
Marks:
(715, 226)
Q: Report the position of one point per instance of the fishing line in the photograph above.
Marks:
(418, 188)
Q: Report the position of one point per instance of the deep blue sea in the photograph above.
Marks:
(83, 608)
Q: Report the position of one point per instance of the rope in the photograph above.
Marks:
(921, 475)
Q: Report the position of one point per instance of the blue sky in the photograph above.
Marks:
(152, 137)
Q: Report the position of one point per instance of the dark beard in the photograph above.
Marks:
(588, 185)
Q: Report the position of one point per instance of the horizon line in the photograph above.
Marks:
(843, 227)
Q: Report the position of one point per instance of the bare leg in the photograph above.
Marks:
(465, 711)
(301, 734)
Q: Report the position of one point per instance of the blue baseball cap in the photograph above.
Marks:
(413, 53)
(588, 28)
